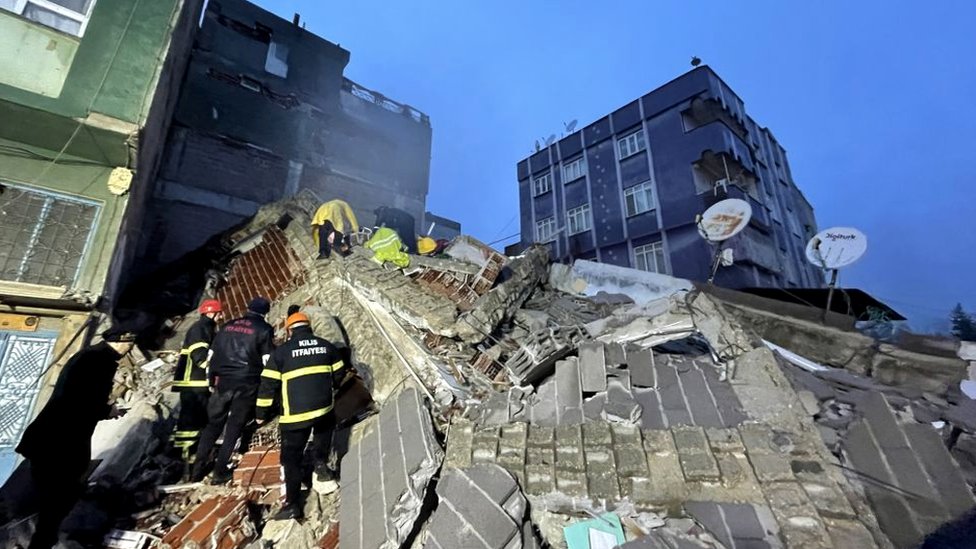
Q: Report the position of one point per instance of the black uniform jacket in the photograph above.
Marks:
(239, 351)
(63, 429)
(299, 381)
(191, 370)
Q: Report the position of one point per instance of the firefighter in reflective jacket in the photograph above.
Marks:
(298, 383)
(190, 378)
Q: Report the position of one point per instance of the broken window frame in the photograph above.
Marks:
(645, 254)
(50, 199)
(574, 170)
(62, 13)
(632, 199)
(542, 184)
(578, 220)
(631, 144)
(545, 230)
(276, 61)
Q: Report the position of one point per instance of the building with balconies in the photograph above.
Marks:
(626, 189)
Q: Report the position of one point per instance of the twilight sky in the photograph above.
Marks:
(874, 101)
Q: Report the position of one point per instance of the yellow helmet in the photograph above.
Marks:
(426, 245)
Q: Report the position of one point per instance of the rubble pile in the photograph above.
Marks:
(508, 403)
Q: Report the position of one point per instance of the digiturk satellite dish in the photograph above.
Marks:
(720, 222)
(833, 249)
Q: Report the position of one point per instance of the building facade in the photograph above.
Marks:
(87, 90)
(266, 112)
(439, 227)
(626, 189)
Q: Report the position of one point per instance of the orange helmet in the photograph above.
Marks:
(210, 306)
(295, 318)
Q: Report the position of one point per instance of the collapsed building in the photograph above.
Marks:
(506, 402)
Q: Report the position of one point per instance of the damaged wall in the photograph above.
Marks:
(266, 111)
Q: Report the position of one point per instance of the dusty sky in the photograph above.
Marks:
(875, 102)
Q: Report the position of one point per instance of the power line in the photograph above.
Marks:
(504, 238)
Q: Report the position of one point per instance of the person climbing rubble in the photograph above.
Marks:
(239, 352)
(387, 247)
(298, 385)
(332, 224)
(57, 444)
(401, 222)
(190, 378)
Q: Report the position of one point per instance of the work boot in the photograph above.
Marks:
(289, 512)
(221, 477)
(324, 481)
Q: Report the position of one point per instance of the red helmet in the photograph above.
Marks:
(210, 306)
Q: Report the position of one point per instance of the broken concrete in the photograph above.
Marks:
(386, 473)
(590, 278)
(480, 506)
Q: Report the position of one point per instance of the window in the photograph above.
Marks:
(277, 61)
(68, 16)
(632, 144)
(542, 184)
(639, 199)
(43, 236)
(545, 229)
(650, 257)
(574, 170)
(578, 219)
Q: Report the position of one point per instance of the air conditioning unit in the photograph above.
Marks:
(723, 184)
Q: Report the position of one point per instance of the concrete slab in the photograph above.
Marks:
(593, 368)
(401, 454)
(641, 366)
(478, 507)
(953, 491)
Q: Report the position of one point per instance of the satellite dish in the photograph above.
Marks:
(550, 140)
(836, 247)
(724, 219)
(571, 126)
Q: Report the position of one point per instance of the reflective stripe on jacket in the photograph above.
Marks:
(299, 380)
(387, 246)
(191, 369)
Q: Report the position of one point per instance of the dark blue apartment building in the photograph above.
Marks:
(626, 189)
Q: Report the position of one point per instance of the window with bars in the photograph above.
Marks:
(574, 170)
(542, 184)
(68, 16)
(578, 219)
(43, 235)
(639, 199)
(545, 229)
(650, 257)
(631, 144)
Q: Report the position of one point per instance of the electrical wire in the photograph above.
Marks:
(504, 238)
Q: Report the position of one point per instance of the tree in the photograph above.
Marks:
(963, 324)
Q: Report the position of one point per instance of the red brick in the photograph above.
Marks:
(202, 510)
(201, 532)
(271, 459)
(331, 538)
(174, 538)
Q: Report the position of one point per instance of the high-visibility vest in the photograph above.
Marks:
(387, 246)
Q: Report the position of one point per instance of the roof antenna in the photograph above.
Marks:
(296, 19)
(695, 61)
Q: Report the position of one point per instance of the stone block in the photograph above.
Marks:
(690, 440)
(540, 479)
(571, 483)
(625, 434)
(699, 467)
(641, 366)
(699, 398)
(724, 440)
(631, 460)
(603, 486)
(597, 433)
(484, 445)
(849, 533)
(828, 499)
(568, 395)
(652, 416)
(540, 455)
(615, 354)
(771, 468)
(593, 369)
(953, 491)
(540, 435)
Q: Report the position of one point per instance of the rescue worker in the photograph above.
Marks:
(401, 222)
(332, 224)
(190, 378)
(57, 444)
(299, 383)
(387, 247)
(238, 354)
